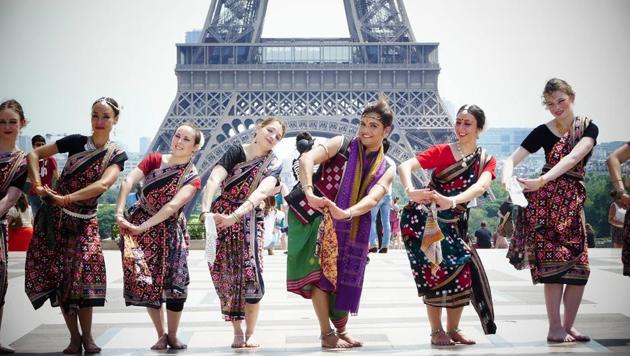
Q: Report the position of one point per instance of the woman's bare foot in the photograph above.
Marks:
(238, 342)
(349, 339)
(161, 344)
(174, 343)
(89, 345)
(331, 341)
(459, 338)
(578, 336)
(440, 338)
(75, 347)
(250, 341)
(6, 350)
(558, 336)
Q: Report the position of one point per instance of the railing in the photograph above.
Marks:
(212, 54)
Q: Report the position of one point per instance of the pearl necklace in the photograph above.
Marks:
(465, 158)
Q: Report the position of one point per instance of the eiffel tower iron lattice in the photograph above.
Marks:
(232, 78)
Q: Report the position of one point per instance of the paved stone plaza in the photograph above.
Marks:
(391, 318)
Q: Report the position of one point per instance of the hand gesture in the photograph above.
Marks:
(223, 221)
(530, 185)
(315, 202)
(40, 190)
(336, 212)
(55, 198)
(442, 202)
(420, 196)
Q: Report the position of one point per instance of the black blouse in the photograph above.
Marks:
(542, 136)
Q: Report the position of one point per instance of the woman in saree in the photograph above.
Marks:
(621, 197)
(64, 262)
(12, 180)
(446, 270)
(247, 174)
(549, 235)
(155, 239)
(352, 179)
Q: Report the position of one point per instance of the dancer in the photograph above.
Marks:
(447, 272)
(622, 198)
(353, 177)
(12, 180)
(64, 262)
(154, 238)
(549, 235)
(247, 174)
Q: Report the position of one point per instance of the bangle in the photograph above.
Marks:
(144, 226)
(252, 203)
(454, 203)
(407, 189)
(236, 217)
(118, 215)
(350, 215)
(325, 149)
(382, 186)
(541, 181)
(307, 186)
(39, 184)
(65, 200)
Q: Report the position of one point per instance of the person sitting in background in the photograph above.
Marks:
(484, 236)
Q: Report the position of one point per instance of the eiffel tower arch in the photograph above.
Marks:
(232, 78)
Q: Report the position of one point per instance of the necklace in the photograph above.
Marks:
(465, 158)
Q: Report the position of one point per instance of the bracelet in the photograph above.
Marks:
(144, 226)
(382, 186)
(252, 203)
(39, 184)
(65, 200)
(454, 203)
(236, 217)
(349, 217)
(616, 194)
(119, 215)
(541, 181)
(307, 186)
(407, 189)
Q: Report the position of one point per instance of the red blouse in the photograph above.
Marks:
(439, 157)
(154, 161)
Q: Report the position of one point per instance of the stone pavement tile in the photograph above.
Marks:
(392, 319)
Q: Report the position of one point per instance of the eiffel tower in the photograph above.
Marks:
(233, 78)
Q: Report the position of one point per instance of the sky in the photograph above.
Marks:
(59, 56)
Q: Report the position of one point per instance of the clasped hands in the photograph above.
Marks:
(426, 196)
(53, 197)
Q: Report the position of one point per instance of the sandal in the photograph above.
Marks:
(440, 333)
(349, 339)
(339, 343)
(456, 336)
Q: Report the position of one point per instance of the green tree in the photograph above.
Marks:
(106, 219)
(597, 202)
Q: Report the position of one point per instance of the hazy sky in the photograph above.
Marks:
(58, 56)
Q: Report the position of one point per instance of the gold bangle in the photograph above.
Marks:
(541, 181)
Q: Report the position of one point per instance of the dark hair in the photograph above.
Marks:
(476, 112)
(22, 203)
(556, 84)
(38, 138)
(195, 129)
(304, 142)
(270, 202)
(483, 224)
(386, 145)
(15, 106)
(110, 102)
(382, 109)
